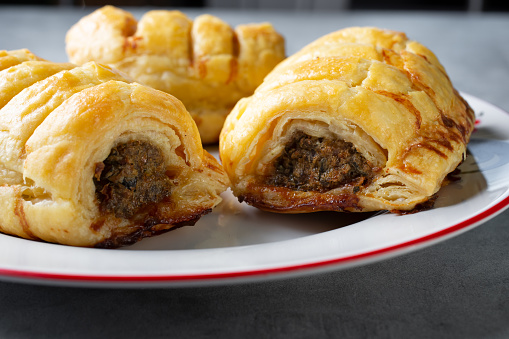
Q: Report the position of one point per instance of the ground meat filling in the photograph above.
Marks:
(131, 177)
(320, 164)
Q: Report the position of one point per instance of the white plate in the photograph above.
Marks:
(238, 243)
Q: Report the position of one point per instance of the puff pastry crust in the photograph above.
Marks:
(90, 158)
(206, 64)
(361, 119)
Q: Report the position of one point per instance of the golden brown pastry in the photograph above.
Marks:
(89, 158)
(362, 119)
(205, 63)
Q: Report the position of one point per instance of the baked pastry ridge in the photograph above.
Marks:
(88, 157)
(362, 119)
(205, 63)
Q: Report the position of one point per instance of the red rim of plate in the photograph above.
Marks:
(220, 276)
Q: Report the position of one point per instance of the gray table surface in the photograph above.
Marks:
(458, 288)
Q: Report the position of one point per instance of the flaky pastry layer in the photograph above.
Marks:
(383, 99)
(90, 158)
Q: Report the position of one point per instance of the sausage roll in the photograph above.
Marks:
(362, 119)
(90, 158)
(206, 64)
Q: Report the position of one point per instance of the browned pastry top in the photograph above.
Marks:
(376, 89)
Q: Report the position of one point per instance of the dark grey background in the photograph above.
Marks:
(458, 288)
(429, 5)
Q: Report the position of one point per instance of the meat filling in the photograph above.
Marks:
(130, 178)
(320, 164)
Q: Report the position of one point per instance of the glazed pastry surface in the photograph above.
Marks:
(90, 158)
(362, 119)
(205, 63)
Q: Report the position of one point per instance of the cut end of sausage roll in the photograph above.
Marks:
(362, 119)
(317, 164)
(205, 63)
(89, 158)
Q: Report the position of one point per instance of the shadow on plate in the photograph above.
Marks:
(236, 224)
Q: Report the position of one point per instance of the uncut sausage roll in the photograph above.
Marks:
(204, 63)
(89, 158)
(362, 119)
